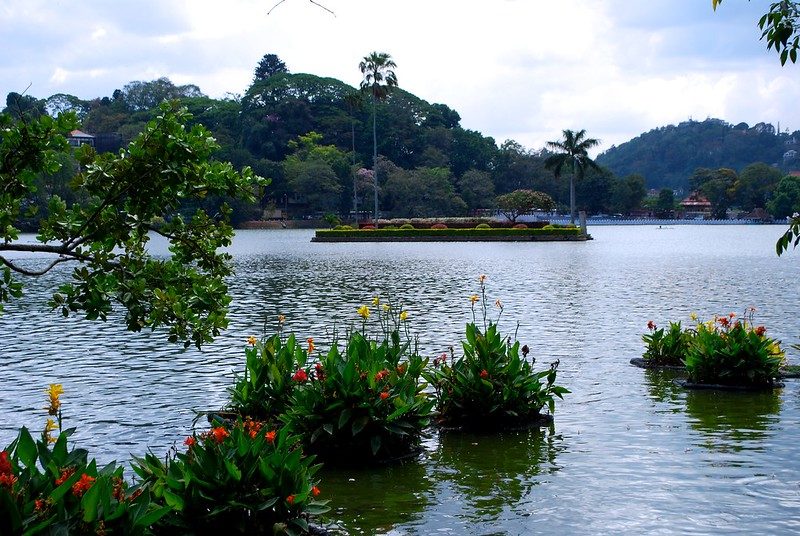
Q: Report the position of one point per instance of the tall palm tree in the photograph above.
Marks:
(379, 79)
(572, 154)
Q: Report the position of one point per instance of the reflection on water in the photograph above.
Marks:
(732, 421)
(630, 453)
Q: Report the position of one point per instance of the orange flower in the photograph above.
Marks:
(484, 374)
(252, 428)
(724, 322)
(300, 376)
(82, 485)
(310, 342)
(219, 434)
(281, 319)
(190, 441)
(651, 325)
(290, 500)
(315, 491)
(384, 395)
(39, 505)
(401, 368)
(5, 464)
(7, 480)
(482, 278)
(270, 436)
(65, 475)
(760, 330)
(381, 375)
(251, 340)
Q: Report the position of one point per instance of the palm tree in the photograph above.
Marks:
(571, 153)
(379, 79)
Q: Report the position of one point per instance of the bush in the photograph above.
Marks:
(666, 348)
(342, 228)
(438, 226)
(491, 385)
(476, 232)
(483, 226)
(365, 402)
(729, 352)
(244, 478)
(264, 390)
(520, 226)
(57, 490)
(407, 226)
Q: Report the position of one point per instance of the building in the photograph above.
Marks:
(696, 207)
(77, 138)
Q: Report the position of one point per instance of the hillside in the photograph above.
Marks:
(668, 156)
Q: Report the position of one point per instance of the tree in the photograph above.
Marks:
(665, 204)
(628, 193)
(268, 65)
(786, 200)
(514, 204)
(573, 155)
(316, 172)
(755, 185)
(780, 27)
(421, 192)
(477, 189)
(127, 196)
(718, 187)
(379, 78)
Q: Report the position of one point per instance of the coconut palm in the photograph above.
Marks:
(571, 154)
(379, 79)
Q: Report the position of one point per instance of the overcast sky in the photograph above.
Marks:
(513, 69)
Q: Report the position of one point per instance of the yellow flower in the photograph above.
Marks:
(474, 299)
(403, 315)
(310, 342)
(482, 278)
(281, 319)
(363, 312)
(50, 426)
(251, 340)
(693, 316)
(386, 307)
(53, 392)
(376, 301)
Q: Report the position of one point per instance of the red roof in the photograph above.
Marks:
(695, 200)
(79, 134)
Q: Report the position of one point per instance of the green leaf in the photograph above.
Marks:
(359, 424)
(375, 443)
(26, 448)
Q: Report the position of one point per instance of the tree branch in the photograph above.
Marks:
(24, 271)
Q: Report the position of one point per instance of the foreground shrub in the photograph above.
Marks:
(365, 401)
(733, 352)
(438, 226)
(493, 385)
(244, 478)
(264, 390)
(48, 488)
(406, 226)
(666, 348)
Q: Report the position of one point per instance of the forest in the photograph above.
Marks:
(313, 137)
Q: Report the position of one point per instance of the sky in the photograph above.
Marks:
(513, 69)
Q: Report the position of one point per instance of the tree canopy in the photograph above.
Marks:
(125, 197)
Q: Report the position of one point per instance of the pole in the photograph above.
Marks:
(375, 156)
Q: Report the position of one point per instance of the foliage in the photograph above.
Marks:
(515, 204)
(106, 230)
(786, 199)
(269, 65)
(480, 232)
(666, 347)
(791, 236)
(48, 487)
(493, 385)
(733, 352)
(264, 390)
(246, 478)
(420, 192)
(366, 401)
(780, 27)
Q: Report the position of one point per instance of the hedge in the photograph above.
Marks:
(411, 233)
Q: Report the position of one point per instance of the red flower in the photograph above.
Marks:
(219, 434)
(300, 376)
(760, 330)
(5, 463)
(401, 369)
(65, 475)
(7, 480)
(290, 500)
(384, 395)
(270, 436)
(82, 485)
(252, 428)
(484, 374)
(381, 375)
(724, 322)
(39, 505)
(315, 491)
(651, 325)
(190, 441)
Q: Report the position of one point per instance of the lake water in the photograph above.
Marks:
(629, 451)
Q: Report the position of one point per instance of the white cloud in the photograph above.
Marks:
(512, 69)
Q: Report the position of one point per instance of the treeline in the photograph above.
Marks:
(313, 137)
(669, 155)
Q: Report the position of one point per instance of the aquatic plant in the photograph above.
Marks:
(666, 348)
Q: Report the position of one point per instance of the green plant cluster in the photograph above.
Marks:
(244, 478)
(721, 351)
(667, 348)
(412, 233)
(732, 353)
(48, 489)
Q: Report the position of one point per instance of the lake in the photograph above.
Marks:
(629, 451)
